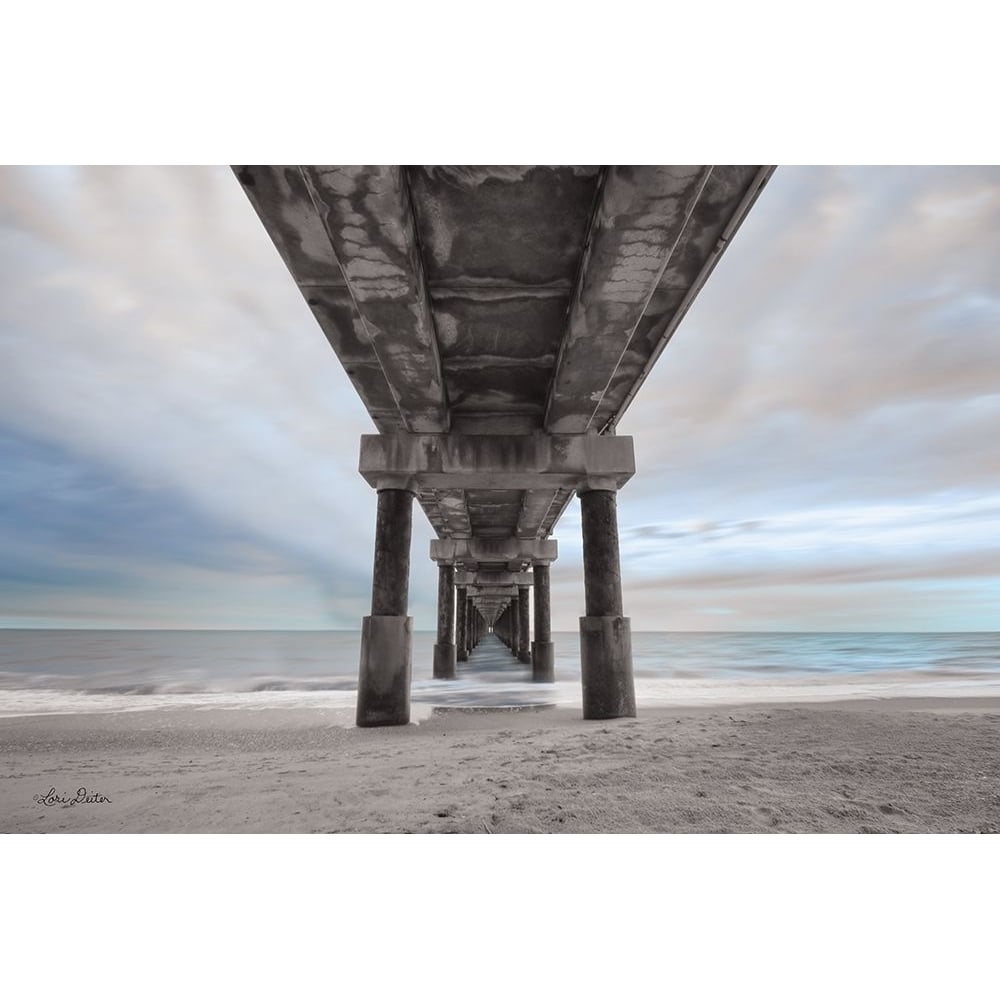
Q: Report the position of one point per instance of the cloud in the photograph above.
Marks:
(816, 445)
(149, 330)
(864, 292)
(960, 566)
(845, 354)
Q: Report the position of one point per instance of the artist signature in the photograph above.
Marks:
(82, 796)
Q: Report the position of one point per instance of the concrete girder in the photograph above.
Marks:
(640, 216)
(368, 217)
(447, 512)
(281, 199)
(560, 502)
(537, 510)
(492, 462)
(283, 202)
(727, 197)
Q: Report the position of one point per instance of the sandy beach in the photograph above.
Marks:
(880, 766)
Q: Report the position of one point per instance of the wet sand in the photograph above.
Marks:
(886, 766)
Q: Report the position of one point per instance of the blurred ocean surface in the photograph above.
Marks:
(45, 671)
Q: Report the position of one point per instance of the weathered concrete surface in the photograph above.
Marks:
(728, 195)
(367, 216)
(495, 463)
(446, 602)
(514, 618)
(384, 672)
(476, 299)
(523, 624)
(543, 662)
(605, 636)
(502, 248)
(606, 667)
(542, 649)
(444, 658)
(470, 621)
(602, 575)
(640, 217)
(444, 648)
(461, 623)
(391, 574)
(493, 554)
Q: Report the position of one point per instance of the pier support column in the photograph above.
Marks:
(605, 635)
(515, 627)
(444, 648)
(523, 632)
(542, 649)
(461, 623)
(386, 634)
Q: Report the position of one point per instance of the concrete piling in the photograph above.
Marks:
(523, 632)
(462, 625)
(605, 635)
(444, 648)
(542, 649)
(386, 634)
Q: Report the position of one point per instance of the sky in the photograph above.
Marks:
(816, 449)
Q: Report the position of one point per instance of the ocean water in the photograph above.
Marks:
(99, 671)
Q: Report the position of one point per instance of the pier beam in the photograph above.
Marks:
(542, 649)
(523, 632)
(386, 634)
(605, 635)
(444, 648)
(462, 621)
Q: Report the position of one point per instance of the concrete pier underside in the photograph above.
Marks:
(497, 323)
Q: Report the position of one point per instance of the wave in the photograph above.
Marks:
(429, 697)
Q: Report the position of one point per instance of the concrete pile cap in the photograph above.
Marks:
(401, 460)
(471, 552)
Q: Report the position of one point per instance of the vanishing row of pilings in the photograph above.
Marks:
(484, 583)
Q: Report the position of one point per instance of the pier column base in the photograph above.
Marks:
(606, 667)
(444, 661)
(384, 675)
(543, 662)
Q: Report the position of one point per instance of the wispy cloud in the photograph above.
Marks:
(150, 334)
(816, 446)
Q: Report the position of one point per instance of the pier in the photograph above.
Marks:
(497, 322)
